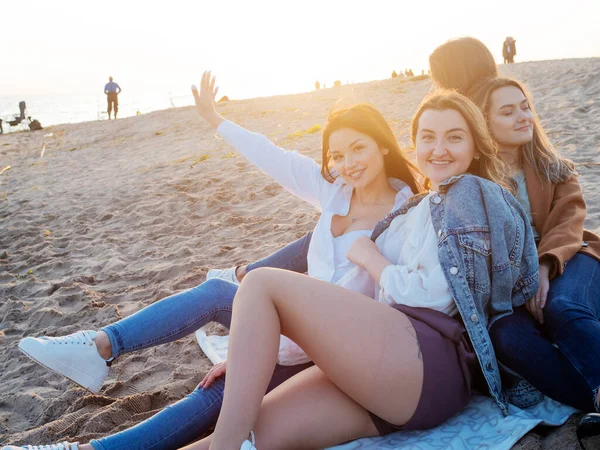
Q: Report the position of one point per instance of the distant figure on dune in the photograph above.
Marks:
(337, 83)
(317, 85)
(394, 74)
(112, 90)
(509, 50)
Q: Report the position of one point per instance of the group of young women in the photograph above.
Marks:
(474, 265)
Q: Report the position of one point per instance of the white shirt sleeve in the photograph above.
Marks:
(298, 174)
(417, 278)
(424, 287)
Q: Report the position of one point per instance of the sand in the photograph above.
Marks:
(119, 214)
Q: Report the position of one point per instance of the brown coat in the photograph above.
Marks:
(558, 212)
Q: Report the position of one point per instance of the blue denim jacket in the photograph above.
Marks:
(489, 258)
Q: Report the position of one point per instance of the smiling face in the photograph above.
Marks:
(510, 118)
(356, 157)
(445, 145)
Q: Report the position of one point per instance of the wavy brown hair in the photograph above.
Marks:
(489, 165)
(366, 119)
(459, 63)
(539, 152)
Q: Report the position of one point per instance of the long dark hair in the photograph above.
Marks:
(539, 152)
(459, 63)
(367, 119)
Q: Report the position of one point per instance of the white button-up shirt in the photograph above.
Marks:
(301, 176)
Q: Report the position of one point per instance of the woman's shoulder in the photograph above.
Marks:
(471, 188)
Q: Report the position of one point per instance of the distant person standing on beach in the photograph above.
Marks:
(509, 50)
(112, 90)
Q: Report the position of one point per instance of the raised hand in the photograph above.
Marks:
(205, 99)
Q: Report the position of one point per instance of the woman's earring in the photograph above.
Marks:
(385, 151)
(476, 157)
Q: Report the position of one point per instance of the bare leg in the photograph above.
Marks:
(334, 326)
(307, 411)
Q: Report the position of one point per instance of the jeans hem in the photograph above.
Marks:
(116, 341)
(97, 445)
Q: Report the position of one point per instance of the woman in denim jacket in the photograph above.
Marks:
(475, 260)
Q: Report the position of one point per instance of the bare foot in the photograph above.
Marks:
(240, 272)
(103, 345)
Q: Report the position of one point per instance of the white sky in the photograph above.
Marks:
(262, 47)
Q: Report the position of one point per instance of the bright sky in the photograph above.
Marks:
(264, 47)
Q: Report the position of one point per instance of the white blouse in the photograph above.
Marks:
(415, 277)
(341, 245)
(301, 176)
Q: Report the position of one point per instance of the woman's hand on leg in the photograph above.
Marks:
(536, 305)
(216, 371)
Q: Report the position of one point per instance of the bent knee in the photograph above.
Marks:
(261, 276)
(216, 285)
(560, 309)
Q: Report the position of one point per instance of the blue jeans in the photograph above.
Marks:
(165, 321)
(561, 358)
(291, 257)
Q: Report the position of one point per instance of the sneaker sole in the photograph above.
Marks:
(88, 382)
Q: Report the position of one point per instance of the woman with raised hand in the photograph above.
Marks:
(448, 264)
(374, 179)
(554, 341)
(457, 64)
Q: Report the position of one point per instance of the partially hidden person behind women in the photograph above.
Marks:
(457, 65)
(554, 341)
(374, 179)
(448, 264)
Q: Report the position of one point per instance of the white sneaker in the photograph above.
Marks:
(247, 445)
(223, 274)
(61, 446)
(75, 356)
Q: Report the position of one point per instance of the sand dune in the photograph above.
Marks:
(119, 214)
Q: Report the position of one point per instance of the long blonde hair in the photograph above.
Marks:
(539, 152)
(489, 165)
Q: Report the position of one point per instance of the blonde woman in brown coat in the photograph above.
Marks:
(554, 341)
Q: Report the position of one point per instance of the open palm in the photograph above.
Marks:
(205, 99)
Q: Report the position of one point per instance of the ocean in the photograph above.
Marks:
(60, 109)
